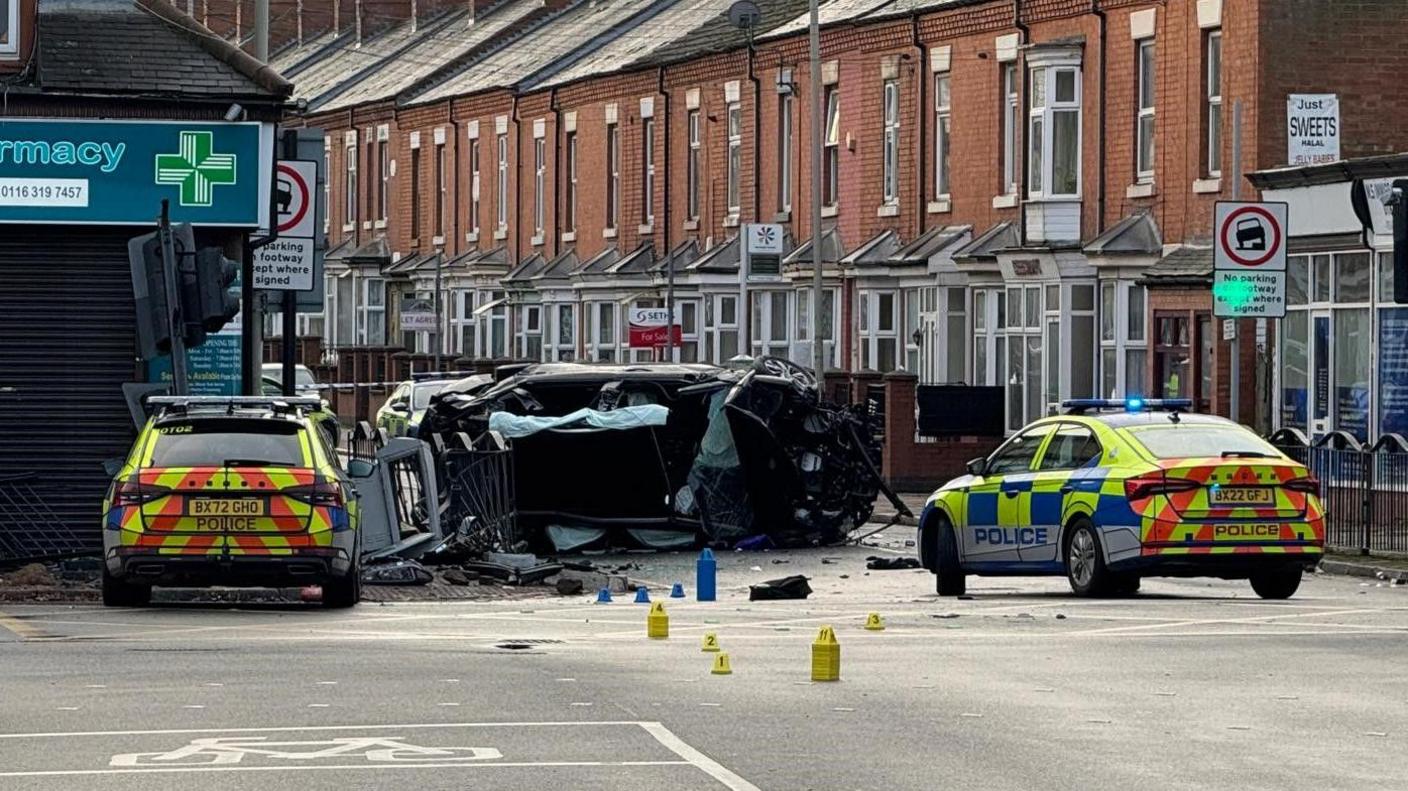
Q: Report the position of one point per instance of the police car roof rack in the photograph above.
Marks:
(431, 376)
(279, 405)
(1081, 406)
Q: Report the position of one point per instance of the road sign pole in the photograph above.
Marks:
(1235, 391)
(170, 268)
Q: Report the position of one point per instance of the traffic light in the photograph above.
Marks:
(1398, 201)
(218, 298)
(149, 289)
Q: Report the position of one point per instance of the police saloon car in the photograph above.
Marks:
(1113, 491)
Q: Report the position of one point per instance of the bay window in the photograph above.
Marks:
(829, 299)
(721, 326)
(601, 339)
(563, 335)
(879, 330)
(530, 344)
(770, 323)
(1123, 351)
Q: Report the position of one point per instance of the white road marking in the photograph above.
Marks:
(193, 706)
(701, 761)
(67, 708)
(349, 767)
(447, 703)
(319, 705)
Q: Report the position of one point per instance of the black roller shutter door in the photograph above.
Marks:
(66, 347)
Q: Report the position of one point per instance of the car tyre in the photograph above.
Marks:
(1085, 561)
(1280, 583)
(949, 576)
(118, 592)
(345, 591)
(1125, 584)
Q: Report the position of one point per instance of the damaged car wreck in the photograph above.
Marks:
(669, 456)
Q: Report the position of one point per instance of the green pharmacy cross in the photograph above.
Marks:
(196, 169)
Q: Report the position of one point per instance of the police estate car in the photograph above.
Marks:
(231, 491)
(1114, 491)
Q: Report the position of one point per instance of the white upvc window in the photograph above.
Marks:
(735, 158)
(936, 333)
(602, 335)
(539, 185)
(1212, 157)
(563, 336)
(383, 167)
(943, 135)
(891, 142)
(692, 167)
(9, 29)
(569, 220)
(831, 153)
(830, 299)
(1011, 116)
(613, 176)
(785, 106)
(1124, 351)
(721, 327)
(349, 186)
(1146, 95)
(530, 343)
(879, 330)
(474, 186)
(647, 171)
(464, 325)
(1053, 132)
(327, 185)
(371, 319)
(442, 185)
(688, 349)
(770, 323)
(502, 185)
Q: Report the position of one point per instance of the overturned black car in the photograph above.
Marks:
(666, 455)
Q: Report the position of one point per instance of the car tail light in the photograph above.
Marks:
(133, 493)
(323, 494)
(1150, 485)
(1308, 484)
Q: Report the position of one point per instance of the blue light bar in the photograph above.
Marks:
(1080, 405)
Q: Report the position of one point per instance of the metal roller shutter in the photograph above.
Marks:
(66, 348)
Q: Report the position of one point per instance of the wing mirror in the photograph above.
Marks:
(361, 468)
(978, 467)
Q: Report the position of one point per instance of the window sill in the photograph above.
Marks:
(783, 216)
(366, 225)
(691, 225)
(731, 221)
(500, 234)
(1207, 186)
(1008, 201)
(888, 210)
(646, 229)
(941, 206)
(569, 236)
(536, 241)
(608, 233)
(350, 227)
(380, 225)
(437, 241)
(829, 211)
(472, 236)
(1141, 190)
(414, 244)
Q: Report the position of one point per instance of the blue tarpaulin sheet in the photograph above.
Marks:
(514, 426)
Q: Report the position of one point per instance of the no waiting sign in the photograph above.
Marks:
(287, 263)
(1249, 257)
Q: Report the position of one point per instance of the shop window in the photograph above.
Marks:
(9, 28)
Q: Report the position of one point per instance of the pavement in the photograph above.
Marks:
(1191, 684)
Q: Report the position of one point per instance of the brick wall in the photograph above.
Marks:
(921, 467)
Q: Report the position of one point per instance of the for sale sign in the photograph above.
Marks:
(651, 328)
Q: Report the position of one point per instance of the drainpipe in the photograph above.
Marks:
(665, 217)
(557, 201)
(757, 132)
(1100, 200)
(515, 170)
(924, 84)
(1023, 118)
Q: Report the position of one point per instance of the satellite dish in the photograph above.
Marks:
(745, 14)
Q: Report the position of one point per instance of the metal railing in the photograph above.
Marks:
(29, 527)
(1364, 490)
(481, 502)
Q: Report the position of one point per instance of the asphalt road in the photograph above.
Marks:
(1192, 684)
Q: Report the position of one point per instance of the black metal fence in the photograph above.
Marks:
(29, 527)
(479, 486)
(1364, 490)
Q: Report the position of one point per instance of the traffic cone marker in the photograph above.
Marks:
(874, 622)
(642, 595)
(677, 592)
(710, 643)
(721, 665)
(603, 596)
(657, 623)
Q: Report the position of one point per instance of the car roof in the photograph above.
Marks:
(1137, 419)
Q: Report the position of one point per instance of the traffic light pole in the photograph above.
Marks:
(170, 267)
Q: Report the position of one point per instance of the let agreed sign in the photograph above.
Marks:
(1249, 260)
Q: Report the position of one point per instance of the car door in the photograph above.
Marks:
(1071, 448)
(995, 501)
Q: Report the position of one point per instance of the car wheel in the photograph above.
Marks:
(950, 579)
(1085, 563)
(345, 591)
(1280, 583)
(121, 593)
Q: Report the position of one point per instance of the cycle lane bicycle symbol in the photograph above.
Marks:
(219, 751)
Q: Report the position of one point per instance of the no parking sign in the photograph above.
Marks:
(1249, 241)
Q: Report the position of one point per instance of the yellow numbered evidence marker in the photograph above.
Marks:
(657, 623)
(826, 656)
(874, 623)
(710, 643)
(721, 665)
